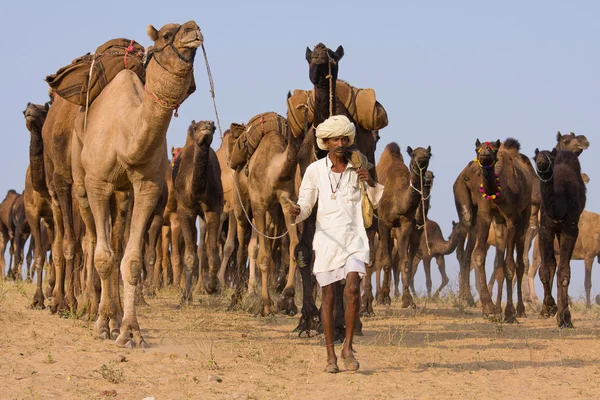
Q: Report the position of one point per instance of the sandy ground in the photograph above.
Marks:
(439, 350)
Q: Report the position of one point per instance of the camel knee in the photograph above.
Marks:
(104, 263)
(564, 277)
(264, 264)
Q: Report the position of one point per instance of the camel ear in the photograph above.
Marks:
(585, 177)
(409, 150)
(152, 33)
(498, 143)
(172, 149)
(553, 152)
(477, 144)
(308, 54)
(537, 151)
(289, 94)
(47, 106)
(339, 52)
(572, 134)
(454, 223)
(558, 136)
(429, 149)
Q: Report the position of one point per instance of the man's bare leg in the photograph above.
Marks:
(352, 297)
(328, 302)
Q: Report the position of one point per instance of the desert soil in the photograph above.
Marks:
(439, 350)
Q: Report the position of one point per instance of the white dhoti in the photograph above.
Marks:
(335, 275)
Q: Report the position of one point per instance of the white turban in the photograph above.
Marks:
(335, 126)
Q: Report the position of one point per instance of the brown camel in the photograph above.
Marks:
(171, 237)
(18, 231)
(198, 192)
(563, 201)
(124, 148)
(503, 196)
(438, 248)
(587, 248)
(5, 208)
(323, 73)
(36, 196)
(398, 208)
(265, 192)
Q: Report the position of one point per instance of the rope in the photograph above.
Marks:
(87, 94)
(237, 189)
(423, 198)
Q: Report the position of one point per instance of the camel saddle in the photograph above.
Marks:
(361, 104)
(359, 160)
(247, 137)
(73, 82)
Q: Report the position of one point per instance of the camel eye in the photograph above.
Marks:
(167, 36)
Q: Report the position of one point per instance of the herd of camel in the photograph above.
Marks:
(100, 192)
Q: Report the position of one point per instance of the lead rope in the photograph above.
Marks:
(237, 189)
(87, 94)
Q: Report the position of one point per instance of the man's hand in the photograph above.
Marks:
(294, 210)
(363, 176)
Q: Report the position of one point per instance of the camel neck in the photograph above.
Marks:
(200, 171)
(489, 181)
(323, 104)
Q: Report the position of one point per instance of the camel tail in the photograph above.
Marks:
(36, 162)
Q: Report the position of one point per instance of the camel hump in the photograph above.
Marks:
(11, 191)
(511, 144)
(393, 149)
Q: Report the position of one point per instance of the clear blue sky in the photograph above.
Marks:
(447, 72)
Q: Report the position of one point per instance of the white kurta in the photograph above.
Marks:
(340, 232)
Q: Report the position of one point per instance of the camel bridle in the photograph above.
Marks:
(549, 169)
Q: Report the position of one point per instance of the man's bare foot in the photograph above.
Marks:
(332, 368)
(350, 362)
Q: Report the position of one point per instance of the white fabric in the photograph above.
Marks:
(335, 126)
(340, 232)
(335, 275)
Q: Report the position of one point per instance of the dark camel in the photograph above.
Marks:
(397, 209)
(198, 192)
(5, 208)
(563, 201)
(18, 232)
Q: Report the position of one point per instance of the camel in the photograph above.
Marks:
(36, 196)
(5, 208)
(198, 191)
(323, 73)
(563, 201)
(123, 147)
(398, 208)
(586, 248)
(171, 234)
(18, 231)
(438, 248)
(503, 196)
(265, 191)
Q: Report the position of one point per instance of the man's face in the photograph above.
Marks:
(337, 145)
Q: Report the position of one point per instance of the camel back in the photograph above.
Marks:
(73, 82)
(248, 139)
(361, 104)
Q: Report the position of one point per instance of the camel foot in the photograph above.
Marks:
(266, 306)
(509, 315)
(38, 300)
(366, 309)
(212, 285)
(521, 311)
(549, 308)
(598, 299)
(286, 304)
(101, 328)
(564, 319)
(309, 320)
(407, 301)
(87, 306)
(488, 308)
(130, 335)
(383, 298)
(58, 303)
(467, 297)
(236, 300)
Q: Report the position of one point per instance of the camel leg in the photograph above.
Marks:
(589, 262)
(482, 231)
(427, 268)
(532, 231)
(310, 316)
(366, 308)
(239, 276)
(59, 302)
(547, 270)
(153, 273)
(29, 259)
(252, 256)
(146, 195)
(395, 267)
(167, 270)
(405, 258)
(228, 248)
(17, 251)
(463, 254)
(264, 259)
(520, 266)
(39, 257)
(567, 242)
(3, 243)
(64, 194)
(509, 269)
(498, 276)
(533, 270)
(286, 303)
(187, 219)
(175, 249)
(211, 250)
(384, 260)
(200, 271)
(441, 263)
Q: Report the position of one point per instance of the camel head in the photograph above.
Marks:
(544, 163)
(487, 153)
(175, 151)
(585, 177)
(202, 132)
(175, 46)
(320, 60)
(35, 116)
(455, 229)
(572, 142)
(419, 158)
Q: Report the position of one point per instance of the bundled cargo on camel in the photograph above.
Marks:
(82, 81)
(361, 104)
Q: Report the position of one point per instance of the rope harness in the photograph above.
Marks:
(423, 198)
(495, 195)
(550, 168)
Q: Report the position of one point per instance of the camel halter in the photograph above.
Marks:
(495, 195)
(423, 198)
(235, 184)
(550, 168)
